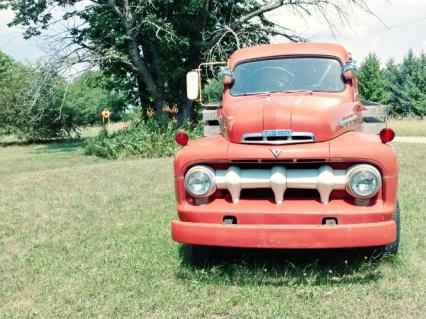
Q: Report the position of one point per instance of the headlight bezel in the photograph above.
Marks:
(356, 169)
(210, 172)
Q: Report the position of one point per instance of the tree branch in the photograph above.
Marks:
(272, 5)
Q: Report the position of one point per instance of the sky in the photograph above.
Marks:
(400, 26)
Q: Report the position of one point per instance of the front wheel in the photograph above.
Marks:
(392, 248)
(196, 254)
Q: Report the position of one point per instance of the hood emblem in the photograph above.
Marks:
(276, 152)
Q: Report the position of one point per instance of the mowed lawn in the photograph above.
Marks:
(408, 126)
(85, 237)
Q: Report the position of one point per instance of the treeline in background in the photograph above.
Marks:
(400, 86)
(40, 101)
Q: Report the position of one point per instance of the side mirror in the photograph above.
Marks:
(227, 76)
(348, 75)
(193, 85)
(349, 70)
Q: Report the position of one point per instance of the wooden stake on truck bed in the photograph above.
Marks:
(374, 116)
(211, 120)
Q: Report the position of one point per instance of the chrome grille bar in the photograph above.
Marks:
(325, 179)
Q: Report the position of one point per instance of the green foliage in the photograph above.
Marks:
(413, 73)
(30, 100)
(86, 98)
(146, 139)
(372, 81)
(402, 86)
(37, 103)
(150, 45)
(13, 80)
(40, 111)
(212, 91)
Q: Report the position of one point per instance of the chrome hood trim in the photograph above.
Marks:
(293, 138)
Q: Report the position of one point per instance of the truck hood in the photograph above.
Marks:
(323, 116)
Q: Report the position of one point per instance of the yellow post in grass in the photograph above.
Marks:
(105, 116)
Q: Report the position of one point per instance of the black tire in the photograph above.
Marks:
(196, 254)
(392, 248)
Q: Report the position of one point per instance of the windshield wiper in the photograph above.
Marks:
(255, 93)
(269, 92)
(299, 91)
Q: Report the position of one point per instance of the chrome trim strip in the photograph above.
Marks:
(290, 140)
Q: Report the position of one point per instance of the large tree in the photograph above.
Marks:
(149, 45)
(413, 71)
(12, 80)
(36, 101)
(31, 99)
(372, 80)
(406, 85)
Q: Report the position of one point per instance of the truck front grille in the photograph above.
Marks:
(323, 179)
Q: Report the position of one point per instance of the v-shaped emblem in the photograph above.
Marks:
(276, 152)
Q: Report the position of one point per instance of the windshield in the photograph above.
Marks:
(288, 74)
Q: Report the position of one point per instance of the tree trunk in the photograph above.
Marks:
(141, 96)
(159, 103)
(145, 77)
(186, 112)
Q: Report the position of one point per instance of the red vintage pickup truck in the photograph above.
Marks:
(291, 167)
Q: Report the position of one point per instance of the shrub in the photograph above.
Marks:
(146, 139)
(212, 91)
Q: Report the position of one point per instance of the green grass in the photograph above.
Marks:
(408, 126)
(85, 237)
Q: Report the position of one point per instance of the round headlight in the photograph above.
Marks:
(200, 181)
(363, 181)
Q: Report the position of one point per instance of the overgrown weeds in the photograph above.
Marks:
(144, 139)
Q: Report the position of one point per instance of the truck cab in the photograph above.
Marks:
(291, 167)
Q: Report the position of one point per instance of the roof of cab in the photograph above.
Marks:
(300, 48)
